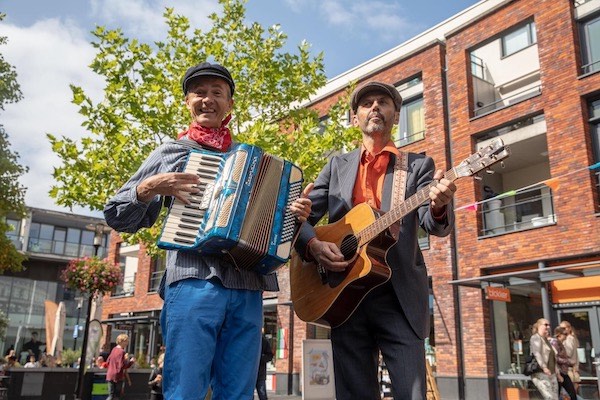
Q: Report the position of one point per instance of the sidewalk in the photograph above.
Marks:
(273, 396)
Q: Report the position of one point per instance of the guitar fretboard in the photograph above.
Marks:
(399, 211)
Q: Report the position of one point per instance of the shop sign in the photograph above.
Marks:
(497, 294)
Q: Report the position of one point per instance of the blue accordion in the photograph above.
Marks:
(242, 210)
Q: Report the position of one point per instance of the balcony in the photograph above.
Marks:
(126, 289)
(483, 109)
(505, 71)
(533, 208)
(62, 248)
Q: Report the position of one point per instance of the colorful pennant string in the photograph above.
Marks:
(552, 183)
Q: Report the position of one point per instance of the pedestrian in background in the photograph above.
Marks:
(155, 380)
(546, 381)
(266, 355)
(571, 344)
(116, 366)
(560, 335)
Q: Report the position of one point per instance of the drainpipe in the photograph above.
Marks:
(453, 243)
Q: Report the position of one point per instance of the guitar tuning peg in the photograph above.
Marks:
(489, 171)
(477, 177)
(502, 164)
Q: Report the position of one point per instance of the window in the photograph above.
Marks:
(519, 39)
(159, 265)
(412, 122)
(59, 240)
(40, 237)
(73, 237)
(590, 46)
(14, 232)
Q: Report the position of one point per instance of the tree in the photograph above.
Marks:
(12, 194)
(143, 102)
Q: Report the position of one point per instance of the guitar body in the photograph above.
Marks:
(332, 299)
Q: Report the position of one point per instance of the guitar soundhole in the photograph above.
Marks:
(349, 247)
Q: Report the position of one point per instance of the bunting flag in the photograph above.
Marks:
(472, 207)
(505, 194)
(552, 183)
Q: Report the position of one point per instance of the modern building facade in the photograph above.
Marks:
(50, 239)
(525, 71)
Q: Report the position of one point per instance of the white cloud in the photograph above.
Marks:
(144, 18)
(48, 56)
(361, 19)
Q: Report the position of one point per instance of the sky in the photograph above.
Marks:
(49, 45)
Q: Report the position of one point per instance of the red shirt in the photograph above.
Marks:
(116, 365)
(368, 187)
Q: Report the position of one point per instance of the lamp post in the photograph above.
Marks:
(99, 230)
(79, 306)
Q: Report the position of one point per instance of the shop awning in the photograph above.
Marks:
(533, 276)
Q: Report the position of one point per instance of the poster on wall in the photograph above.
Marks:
(317, 368)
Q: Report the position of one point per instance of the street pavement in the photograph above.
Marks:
(273, 396)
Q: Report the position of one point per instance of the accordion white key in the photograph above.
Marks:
(242, 210)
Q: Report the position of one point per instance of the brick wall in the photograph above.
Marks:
(576, 232)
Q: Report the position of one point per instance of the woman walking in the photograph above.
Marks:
(546, 381)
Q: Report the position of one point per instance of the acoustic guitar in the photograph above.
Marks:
(362, 235)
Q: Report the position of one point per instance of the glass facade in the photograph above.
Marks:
(23, 301)
(64, 241)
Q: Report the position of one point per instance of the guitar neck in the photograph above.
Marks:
(399, 211)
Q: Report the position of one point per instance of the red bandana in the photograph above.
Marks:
(215, 138)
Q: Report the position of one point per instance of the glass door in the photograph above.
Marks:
(586, 324)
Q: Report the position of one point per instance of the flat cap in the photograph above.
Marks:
(207, 69)
(375, 86)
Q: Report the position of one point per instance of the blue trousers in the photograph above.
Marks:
(213, 337)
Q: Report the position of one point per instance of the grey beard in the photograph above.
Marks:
(373, 128)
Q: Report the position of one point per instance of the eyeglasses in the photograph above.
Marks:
(546, 324)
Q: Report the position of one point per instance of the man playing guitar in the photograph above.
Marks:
(393, 317)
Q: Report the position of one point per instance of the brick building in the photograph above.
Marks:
(521, 70)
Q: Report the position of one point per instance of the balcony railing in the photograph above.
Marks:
(534, 208)
(413, 137)
(155, 281)
(62, 248)
(127, 288)
(512, 99)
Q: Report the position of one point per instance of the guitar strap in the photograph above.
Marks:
(399, 188)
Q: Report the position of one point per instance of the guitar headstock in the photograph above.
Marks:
(489, 155)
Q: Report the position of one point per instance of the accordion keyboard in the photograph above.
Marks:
(184, 220)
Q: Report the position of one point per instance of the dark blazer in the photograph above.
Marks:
(333, 194)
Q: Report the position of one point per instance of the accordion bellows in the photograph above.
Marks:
(242, 210)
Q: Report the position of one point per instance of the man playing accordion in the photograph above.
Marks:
(212, 314)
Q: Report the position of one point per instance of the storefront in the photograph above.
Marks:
(143, 329)
(518, 298)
